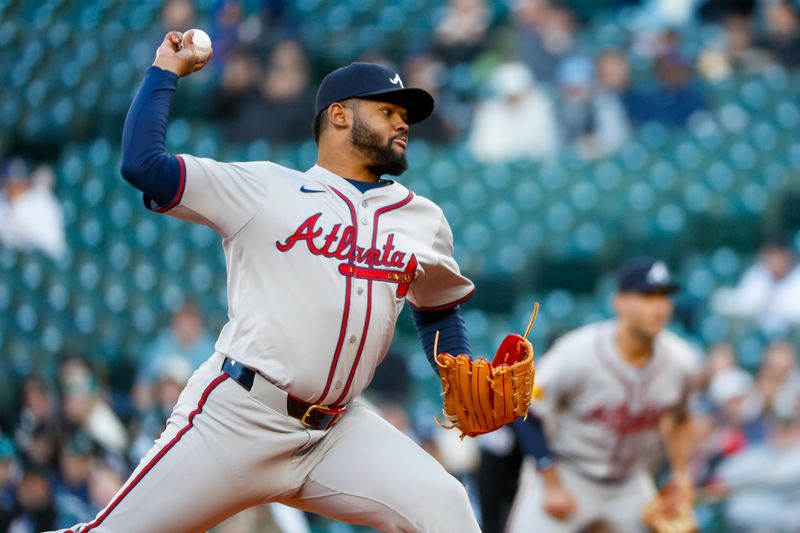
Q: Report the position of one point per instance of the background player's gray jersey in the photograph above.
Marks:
(602, 414)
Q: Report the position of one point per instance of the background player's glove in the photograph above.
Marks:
(670, 513)
(480, 396)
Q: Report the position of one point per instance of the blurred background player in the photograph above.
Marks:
(610, 391)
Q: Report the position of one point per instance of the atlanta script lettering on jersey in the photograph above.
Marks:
(343, 247)
(623, 422)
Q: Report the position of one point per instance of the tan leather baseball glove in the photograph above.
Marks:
(479, 396)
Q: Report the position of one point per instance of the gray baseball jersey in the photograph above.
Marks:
(602, 414)
(317, 268)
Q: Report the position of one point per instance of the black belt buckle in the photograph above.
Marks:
(239, 373)
(321, 416)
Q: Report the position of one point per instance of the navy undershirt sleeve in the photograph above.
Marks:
(533, 440)
(145, 162)
(449, 323)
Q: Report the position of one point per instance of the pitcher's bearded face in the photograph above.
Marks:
(376, 134)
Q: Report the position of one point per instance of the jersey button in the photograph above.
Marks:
(364, 220)
(360, 291)
(353, 339)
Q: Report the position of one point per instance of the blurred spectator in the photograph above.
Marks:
(732, 419)
(178, 15)
(390, 391)
(577, 116)
(276, 105)
(782, 39)
(674, 96)
(35, 496)
(41, 449)
(8, 480)
(104, 482)
(71, 493)
(30, 215)
(86, 410)
(186, 338)
(459, 457)
(227, 24)
(267, 22)
(38, 426)
(715, 10)
(762, 484)
(740, 408)
(766, 293)
(614, 73)
(653, 14)
(720, 357)
(288, 97)
(174, 374)
(737, 52)
(425, 71)
(392, 380)
(517, 122)
(593, 120)
(275, 14)
(546, 33)
(236, 93)
(461, 33)
(778, 373)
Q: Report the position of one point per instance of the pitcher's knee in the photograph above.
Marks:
(453, 493)
(444, 506)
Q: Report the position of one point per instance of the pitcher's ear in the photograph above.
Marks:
(339, 115)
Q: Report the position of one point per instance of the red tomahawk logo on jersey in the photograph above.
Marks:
(403, 279)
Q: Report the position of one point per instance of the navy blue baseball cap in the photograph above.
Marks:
(645, 276)
(374, 82)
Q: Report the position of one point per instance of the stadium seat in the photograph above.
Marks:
(743, 156)
(583, 196)
(633, 156)
(788, 116)
(764, 136)
(589, 238)
(754, 94)
(7, 282)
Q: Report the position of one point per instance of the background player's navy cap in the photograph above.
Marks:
(645, 276)
(374, 82)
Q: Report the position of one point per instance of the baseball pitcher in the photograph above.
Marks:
(319, 264)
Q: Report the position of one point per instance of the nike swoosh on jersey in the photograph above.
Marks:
(303, 189)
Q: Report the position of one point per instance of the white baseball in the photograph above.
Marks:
(202, 43)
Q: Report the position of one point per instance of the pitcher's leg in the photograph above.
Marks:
(368, 473)
(180, 486)
(222, 452)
